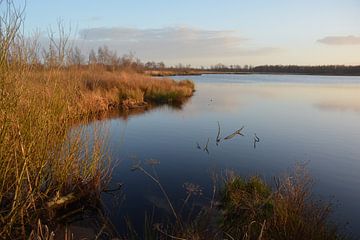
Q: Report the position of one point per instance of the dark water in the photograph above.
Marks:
(312, 119)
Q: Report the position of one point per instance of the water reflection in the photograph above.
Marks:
(353, 105)
(136, 111)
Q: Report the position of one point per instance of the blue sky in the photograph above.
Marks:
(208, 32)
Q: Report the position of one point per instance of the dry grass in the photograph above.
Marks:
(251, 209)
(124, 87)
(40, 162)
(90, 91)
(45, 164)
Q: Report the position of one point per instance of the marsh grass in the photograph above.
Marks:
(251, 209)
(43, 168)
(40, 161)
(126, 89)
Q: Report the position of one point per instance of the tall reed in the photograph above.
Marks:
(39, 161)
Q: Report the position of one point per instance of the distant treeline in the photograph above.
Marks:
(293, 69)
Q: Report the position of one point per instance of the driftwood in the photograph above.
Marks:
(59, 201)
(237, 132)
(218, 138)
(206, 146)
(256, 140)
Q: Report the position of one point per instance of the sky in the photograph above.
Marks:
(204, 33)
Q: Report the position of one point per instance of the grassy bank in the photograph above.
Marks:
(169, 73)
(41, 166)
(44, 166)
(95, 90)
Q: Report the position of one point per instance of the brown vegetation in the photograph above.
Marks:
(251, 209)
(45, 164)
(91, 91)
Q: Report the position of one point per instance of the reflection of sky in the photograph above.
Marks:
(288, 116)
(325, 93)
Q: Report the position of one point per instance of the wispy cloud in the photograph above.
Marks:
(174, 43)
(94, 18)
(340, 40)
(155, 34)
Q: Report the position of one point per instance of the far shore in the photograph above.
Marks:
(201, 72)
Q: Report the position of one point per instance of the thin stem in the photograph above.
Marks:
(161, 188)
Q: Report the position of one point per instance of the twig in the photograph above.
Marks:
(237, 132)
(166, 234)
(206, 146)
(262, 230)
(114, 189)
(218, 138)
(256, 140)
(161, 188)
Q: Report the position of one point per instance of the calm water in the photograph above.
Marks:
(297, 118)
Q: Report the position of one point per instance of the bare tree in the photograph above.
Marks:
(76, 57)
(11, 19)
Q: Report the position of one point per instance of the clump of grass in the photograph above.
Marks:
(245, 202)
(251, 209)
(169, 91)
(134, 88)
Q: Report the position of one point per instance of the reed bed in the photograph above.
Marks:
(40, 162)
(90, 91)
(42, 166)
(46, 164)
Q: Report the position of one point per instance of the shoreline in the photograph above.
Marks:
(167, 74)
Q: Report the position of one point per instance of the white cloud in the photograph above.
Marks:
(340, 40)
(173, 44)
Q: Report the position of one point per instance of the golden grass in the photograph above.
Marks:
(124, 87)
(39, 160)
(44, 163)
(92, 91)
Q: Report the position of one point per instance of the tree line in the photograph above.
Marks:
(294, 69)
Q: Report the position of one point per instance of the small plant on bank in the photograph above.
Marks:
(251, 209)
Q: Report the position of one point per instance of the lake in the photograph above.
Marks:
(306, 119)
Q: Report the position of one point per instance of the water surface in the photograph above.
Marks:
(314, 119)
